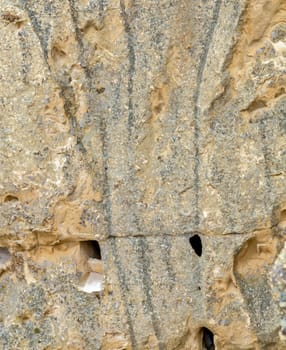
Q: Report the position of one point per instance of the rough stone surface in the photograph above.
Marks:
(139, 125)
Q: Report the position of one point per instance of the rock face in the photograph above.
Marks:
(142, 182)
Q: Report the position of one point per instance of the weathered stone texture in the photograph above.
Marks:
(140, 124)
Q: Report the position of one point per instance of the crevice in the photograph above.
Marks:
(207, 339)
(187, 233)
(270, 96)
(92, 248)
(255, 105)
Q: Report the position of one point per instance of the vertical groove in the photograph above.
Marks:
(267, 158)
(147, 287)
(166, 244)
(101, 120)
(123, 288)
(201, 69)
(131, 66)
(26, 55)
(131, 116)
(36, 25)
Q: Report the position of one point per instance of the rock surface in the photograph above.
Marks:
(142, 182)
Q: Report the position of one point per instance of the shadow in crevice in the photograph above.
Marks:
(207, 339)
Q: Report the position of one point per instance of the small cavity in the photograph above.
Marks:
(196, 244)
(207, 339)
(36, 330)
(280, 92)
(95, 249)
(57, 53)
(255, 105)
(92, 280)
(5, 256)
(10, 198)
(91, 249)
(100, 90)
(158, 108)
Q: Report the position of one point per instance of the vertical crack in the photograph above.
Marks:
(267, 160)
(131, 68)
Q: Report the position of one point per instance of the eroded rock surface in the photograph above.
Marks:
(142, 182)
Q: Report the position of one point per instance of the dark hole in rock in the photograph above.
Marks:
(256, 105)
(208, 339)
(36, 330)
(10, 198)
(92, 279)
(196, 243)
(96, 250)
(100, 90)
(91, 249)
